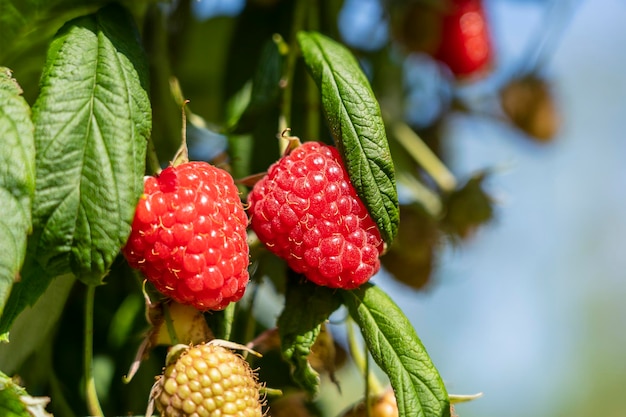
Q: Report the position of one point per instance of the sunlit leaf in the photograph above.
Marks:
(92, 120)
(396, 348)
(355, 121)
(307, 306)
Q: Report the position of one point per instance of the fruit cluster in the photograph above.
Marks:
(189, 239)
(189, 232)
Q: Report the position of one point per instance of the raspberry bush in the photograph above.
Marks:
(247, 238)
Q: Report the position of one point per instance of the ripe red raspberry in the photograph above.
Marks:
(465, 39)
(306, 211)
(189, 236)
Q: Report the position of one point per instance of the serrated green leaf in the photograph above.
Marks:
(355, 121)
(15, 401)
(17, 181)
(92, 120)
(307, 306)
(396, 348)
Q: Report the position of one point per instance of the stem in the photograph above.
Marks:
(368, 405)
(93, 404)
(182, 154)
(169, 324)
(229, 318)
(424, 156)
(284, 120)
(372, 384)
(313, 15)
(250, 321)
(427, 197)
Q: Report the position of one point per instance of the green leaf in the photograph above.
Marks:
(24, 23)
(17, 181)
(15, 401)
(307, 306)
(265, 86)
(395, 347)
(28, 331)
(357, 126)
(92, 120)
(33, 282)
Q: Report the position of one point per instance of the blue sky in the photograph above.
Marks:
(534, 302)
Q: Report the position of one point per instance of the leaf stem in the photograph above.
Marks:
(93, 404)
(372, 384)
(229, 318)
(182, 154)
(286, 81)
(424, 156)
(368, 403)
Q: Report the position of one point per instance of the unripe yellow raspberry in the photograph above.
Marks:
(208, 380)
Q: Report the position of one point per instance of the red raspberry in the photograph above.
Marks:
(189, 236)
(465, 40)
(306, 211)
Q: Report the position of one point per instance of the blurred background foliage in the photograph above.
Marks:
(507, 260)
